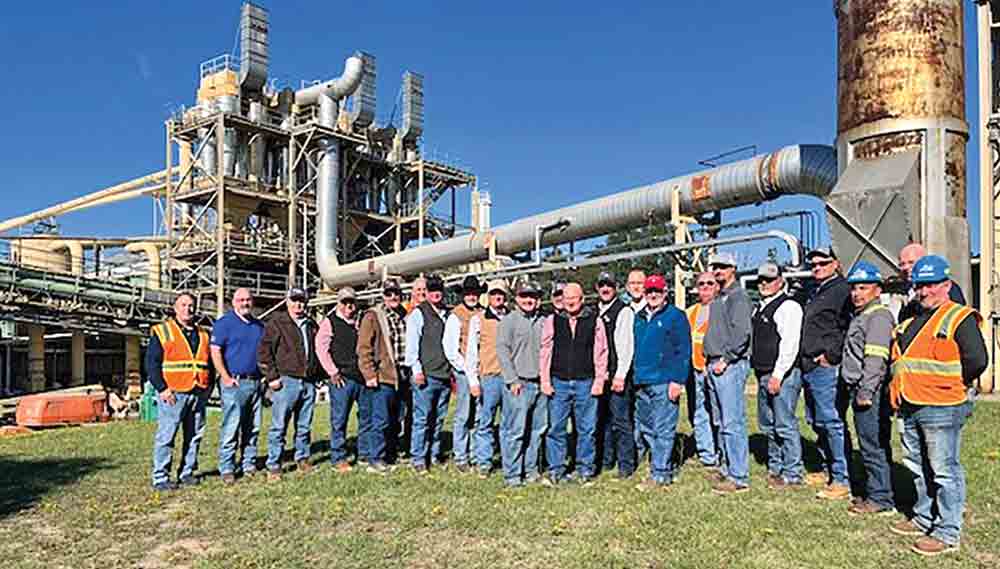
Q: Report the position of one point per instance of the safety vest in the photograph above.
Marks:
(929, 372)
(182, 370)
(697, 337)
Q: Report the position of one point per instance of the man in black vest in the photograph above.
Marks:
(336, 347)
(573, 370)
(777, 327)
(614, 411)
(431, 375)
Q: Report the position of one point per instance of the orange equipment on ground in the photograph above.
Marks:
(53, 409)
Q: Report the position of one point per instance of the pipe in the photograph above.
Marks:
(336, 88)
(803, 169)
(327, 190)
(80, 202)
(152, 251)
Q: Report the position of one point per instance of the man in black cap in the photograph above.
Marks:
(615, 435)
(431, 375)
(826, 318)
(456, 333)
(288, 360)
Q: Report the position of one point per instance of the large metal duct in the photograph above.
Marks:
(253, 47)
(804, 169)
(336, 88)
(152, 251)
(229, 104)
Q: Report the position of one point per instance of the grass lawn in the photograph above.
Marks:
(80, 497)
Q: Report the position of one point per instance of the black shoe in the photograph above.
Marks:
(190, 481)
(167, 486)
(420, 468)
(463, 467)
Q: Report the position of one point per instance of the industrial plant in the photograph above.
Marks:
(269, 188)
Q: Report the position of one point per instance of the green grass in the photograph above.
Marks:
(80, 497)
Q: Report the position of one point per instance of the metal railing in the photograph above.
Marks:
(224, 62)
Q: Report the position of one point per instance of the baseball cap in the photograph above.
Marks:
(529, 288)
(826, 252)
(498, 285)
(769, 270)
(296, 293)
(722, 258)
(346, 293)
(606, 278)
(557, 288)
(864, 272)
(655, 282)
(391, 284)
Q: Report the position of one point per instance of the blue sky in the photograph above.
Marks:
(550, 103)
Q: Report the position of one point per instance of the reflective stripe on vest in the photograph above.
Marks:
(929, 372)
(182, 370)
(697, 338)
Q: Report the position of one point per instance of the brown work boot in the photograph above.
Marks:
(776, 482)
(305, 467)
(729, 487)
(906, 528)
(229, 479)
(343, 467)
(816, 478)
(866, 508)
(715, 476)
(274, 475)
(930, 546)
(835, 491)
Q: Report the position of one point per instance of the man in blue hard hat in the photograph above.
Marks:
(864, 369)
(936, 358)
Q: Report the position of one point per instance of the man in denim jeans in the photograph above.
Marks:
(287, 358)
(525, 411)
(425, 356)
(662, 364)
(485, 374)
(826, 318)
(456, 333)
(235, 338)
(727, 345)
(337, 349)
(178, 369)
(573, 369)
(865, 367)
(699, 407)
(777, 328)
(936, 359)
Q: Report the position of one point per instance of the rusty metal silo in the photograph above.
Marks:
(901, 129)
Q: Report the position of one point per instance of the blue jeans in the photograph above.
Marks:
(729, 414)
(658, 416)
(525, 420)
(616, 429)
(240, 427)
(430, 407)
(777, 420)
(826, 403)
(492, 388)
(384, 423)
(188, 414)
(296, 398)
(874, 426)
(932, 440)
(572, 396)
(463, 421)
(341, 400)
(701, 419)
(403, 413)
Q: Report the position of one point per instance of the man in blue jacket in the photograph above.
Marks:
(662, 364)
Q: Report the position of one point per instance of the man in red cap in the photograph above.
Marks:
(661, 363)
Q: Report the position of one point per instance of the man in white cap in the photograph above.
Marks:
(337, 347)
(485, 374)
(777, 327)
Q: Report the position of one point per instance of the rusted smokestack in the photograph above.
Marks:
(901, 88)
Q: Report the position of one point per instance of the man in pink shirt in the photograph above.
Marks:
(573, 370)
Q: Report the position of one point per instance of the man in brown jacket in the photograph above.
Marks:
(381, 344)
(288, 361)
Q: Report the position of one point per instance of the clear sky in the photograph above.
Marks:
(550, 103)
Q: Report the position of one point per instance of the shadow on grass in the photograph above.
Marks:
(24, 482)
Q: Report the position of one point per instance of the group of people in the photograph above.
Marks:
(616, 368)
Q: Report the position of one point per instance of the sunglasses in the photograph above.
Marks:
(654, 291)
(390, 293)
(707, 283)
(348, 303)
(815, 264)
(717, 267)
(766, 280)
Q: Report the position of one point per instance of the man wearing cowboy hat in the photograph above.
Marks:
(456, 331)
